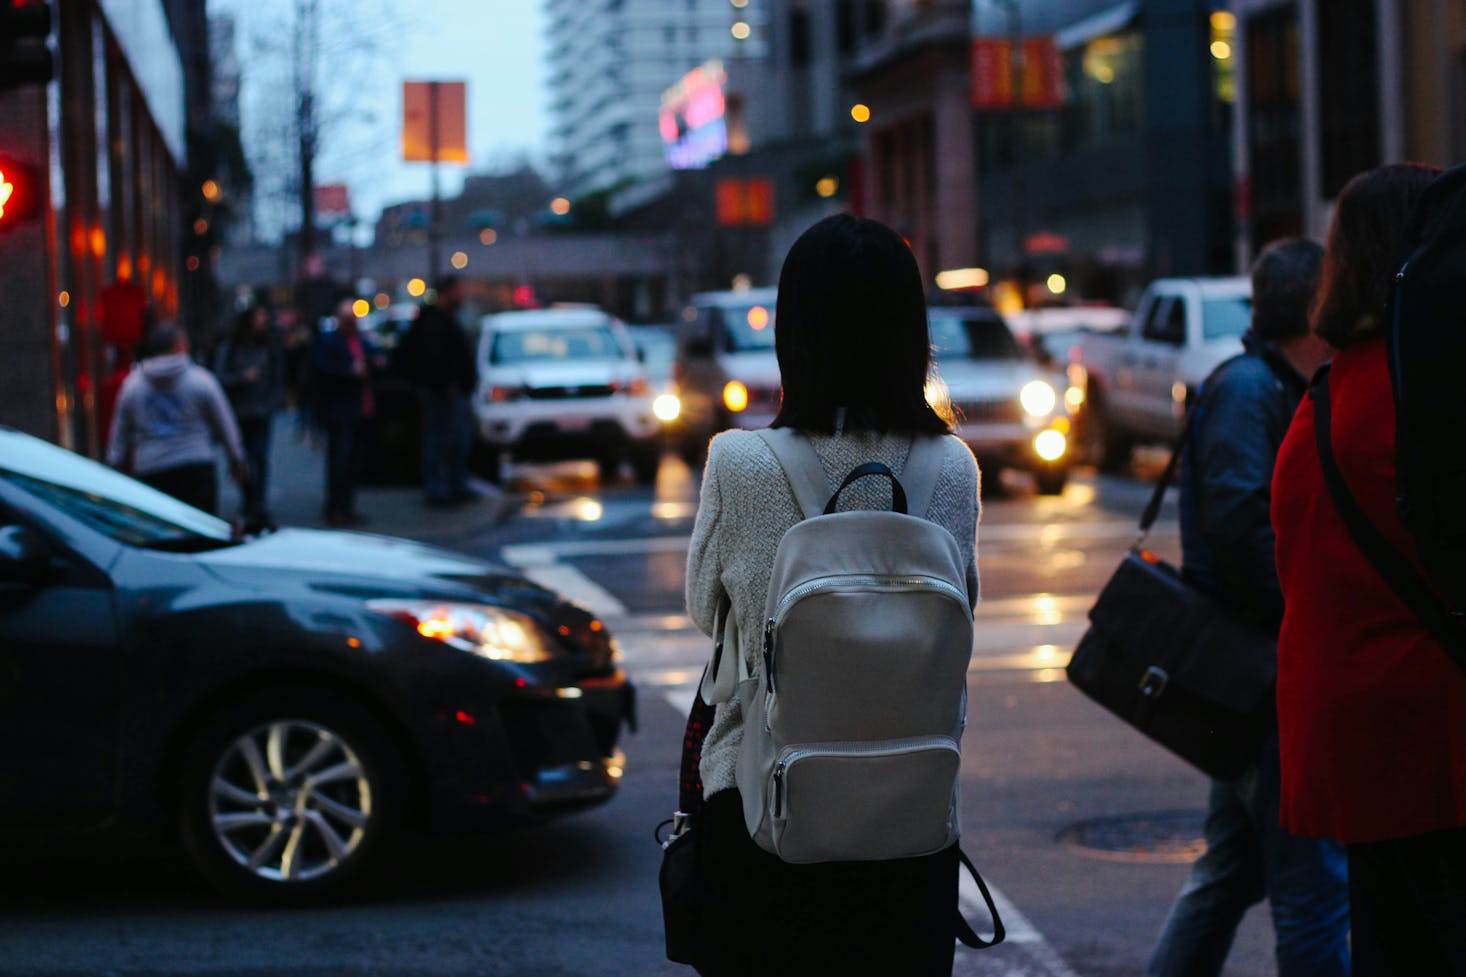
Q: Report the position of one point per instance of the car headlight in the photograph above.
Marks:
(1038, 398)
(667, 407)
(490, 632)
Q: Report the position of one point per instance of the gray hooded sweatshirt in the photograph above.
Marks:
(169, 414)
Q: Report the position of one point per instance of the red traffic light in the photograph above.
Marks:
(20, 192)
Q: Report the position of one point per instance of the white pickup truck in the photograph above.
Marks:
(1139, 380)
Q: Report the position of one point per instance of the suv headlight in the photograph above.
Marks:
(490, 632)
(1038, 398)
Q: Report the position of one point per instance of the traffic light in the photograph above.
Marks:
(25, 58)
(20, 193)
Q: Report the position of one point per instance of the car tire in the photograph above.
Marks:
(609, 467)
(289, 796)
(487, 463)
(646, 461)
(1051, 481)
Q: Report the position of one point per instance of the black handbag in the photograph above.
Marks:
(1176, 664)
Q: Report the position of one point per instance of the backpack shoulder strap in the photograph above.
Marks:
(803, 467)
(1389, 562)
(922, 470)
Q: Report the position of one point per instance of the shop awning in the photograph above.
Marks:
(1110, 21)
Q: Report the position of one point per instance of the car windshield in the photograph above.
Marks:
(109, 502)
(959, 338)
(1224, 318)
(569, 343)
(748, 328)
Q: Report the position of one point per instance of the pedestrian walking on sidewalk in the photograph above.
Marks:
(854, 356)
(250, 365)
(1228, 552)
(169, 414)
(437, 357)
(1371, 708)
(342, 363)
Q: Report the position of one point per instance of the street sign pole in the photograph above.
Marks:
(435, 218)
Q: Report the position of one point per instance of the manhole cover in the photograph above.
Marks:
(1164, 836)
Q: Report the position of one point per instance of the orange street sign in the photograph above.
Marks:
(434, 122)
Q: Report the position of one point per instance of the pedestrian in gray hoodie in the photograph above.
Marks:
(169, 414)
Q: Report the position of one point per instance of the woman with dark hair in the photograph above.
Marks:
(854, 357)
(250, 365)
(1371, 710)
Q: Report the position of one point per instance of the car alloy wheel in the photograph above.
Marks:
(290, 801)
(288, 796)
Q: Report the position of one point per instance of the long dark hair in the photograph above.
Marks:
(851, 332)
(1365, 248)
(243, 333)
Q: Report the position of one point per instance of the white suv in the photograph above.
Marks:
(564, 383)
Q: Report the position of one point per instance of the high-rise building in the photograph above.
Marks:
(609, 63)
(1328, 88)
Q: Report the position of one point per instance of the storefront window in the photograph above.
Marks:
(1105, 91)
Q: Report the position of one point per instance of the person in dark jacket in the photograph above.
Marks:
(1227, 548)
(250, 365)
(343, 362)
(437, 358)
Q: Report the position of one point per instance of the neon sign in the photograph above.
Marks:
(693, 118)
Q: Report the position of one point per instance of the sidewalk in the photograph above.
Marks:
(297, 488)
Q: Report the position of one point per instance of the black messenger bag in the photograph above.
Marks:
(1174, 663)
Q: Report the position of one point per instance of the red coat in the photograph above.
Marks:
(1371, 712)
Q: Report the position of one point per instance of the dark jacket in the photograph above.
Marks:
(436, 356)
(1227, 542)
(340, 395)
(258, 398)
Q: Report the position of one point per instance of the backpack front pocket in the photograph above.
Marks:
(866, 801)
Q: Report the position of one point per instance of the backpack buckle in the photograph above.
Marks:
(1154, 682)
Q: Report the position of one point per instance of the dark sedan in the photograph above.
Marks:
(281, 704)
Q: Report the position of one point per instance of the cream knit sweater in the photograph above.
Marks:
(747, 505)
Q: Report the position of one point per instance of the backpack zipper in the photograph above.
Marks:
(885, 581)
(853, 750)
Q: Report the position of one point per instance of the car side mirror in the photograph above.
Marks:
(25, 557)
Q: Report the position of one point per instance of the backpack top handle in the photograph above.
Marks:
(898, 494)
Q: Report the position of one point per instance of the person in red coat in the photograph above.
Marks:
(1371, 711)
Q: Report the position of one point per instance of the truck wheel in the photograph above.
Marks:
(646, 460)
(1110, 446)
(1051, 481)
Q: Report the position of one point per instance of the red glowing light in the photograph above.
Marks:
(464, 718)
(6, 189)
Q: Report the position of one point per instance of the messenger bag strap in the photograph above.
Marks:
(1157, 497)
(922, 470)
(802, 466)
(965, 932)
(1388, 561)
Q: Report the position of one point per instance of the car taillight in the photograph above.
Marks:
(637, 387)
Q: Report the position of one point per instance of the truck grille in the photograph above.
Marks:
(568, 393)
(1006, 411)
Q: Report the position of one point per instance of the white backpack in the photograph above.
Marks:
(851, 743)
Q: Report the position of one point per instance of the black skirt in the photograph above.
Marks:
(763, 917)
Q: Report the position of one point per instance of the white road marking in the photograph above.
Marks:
(576, 586)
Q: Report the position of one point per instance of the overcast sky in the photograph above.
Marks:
(497, 46)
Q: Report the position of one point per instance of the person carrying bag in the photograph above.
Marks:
(826, 836)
